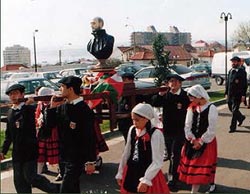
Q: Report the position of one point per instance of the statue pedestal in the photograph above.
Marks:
(101, 66)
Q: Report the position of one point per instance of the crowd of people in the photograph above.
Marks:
(65, 133)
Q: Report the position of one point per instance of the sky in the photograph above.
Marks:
(60, 22)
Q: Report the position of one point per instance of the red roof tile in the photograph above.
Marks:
(175, 51)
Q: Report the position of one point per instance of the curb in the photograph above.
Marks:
(7, 163)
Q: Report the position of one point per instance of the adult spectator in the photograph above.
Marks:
(236, 87)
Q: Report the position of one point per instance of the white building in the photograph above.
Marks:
(16, 55)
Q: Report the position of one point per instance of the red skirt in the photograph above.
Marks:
(159, 184)
(200, 170)
(48, 149)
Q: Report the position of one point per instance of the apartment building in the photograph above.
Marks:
(16, 54)
(173, 37)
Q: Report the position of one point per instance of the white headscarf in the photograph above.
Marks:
(147, 111)
(45, 91)
(198, 91)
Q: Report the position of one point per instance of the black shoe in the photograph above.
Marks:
(59, 177)
(212, 189)
(241, 121)
(45, 169)
(232, 131)
(172, 186)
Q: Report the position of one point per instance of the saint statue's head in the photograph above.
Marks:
(97, 23)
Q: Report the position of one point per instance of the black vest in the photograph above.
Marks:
(139, 160)
(199, 127)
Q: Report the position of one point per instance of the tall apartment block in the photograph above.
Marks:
(173, 37)
(16, 55)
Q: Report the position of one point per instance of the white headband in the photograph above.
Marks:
(144, 110)
(198, 91)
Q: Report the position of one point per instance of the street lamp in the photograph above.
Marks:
(60, 55)
(34, 41)
(225, 17)
(127, 25)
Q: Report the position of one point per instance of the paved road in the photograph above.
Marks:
(233, 172)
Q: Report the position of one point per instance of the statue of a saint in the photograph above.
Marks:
(101, 46)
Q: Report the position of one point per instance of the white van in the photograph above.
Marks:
(218, 64)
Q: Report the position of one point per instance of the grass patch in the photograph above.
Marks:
(105, 126)
(2, 137)
(217, 95)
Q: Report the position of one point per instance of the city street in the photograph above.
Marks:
(233, 172)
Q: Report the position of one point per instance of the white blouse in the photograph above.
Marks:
(157, 145)
(209, 135)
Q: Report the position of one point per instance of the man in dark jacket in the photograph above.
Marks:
(175, 104)
(236, 87)
(75, 122)
(21, 131)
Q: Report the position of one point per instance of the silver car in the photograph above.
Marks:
(30, 85)
(147, 75)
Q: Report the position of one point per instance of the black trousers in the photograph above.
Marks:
(234, 106)
(25, 176)
(71, 178)
(174, 146)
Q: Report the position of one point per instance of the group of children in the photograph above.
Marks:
(142, 159)
(143, 156)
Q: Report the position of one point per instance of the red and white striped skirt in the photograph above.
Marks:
(200, 170)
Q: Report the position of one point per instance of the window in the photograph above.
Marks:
(145, 73)
(180, 69)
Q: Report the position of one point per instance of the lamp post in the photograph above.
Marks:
(225, 17)
(133, 34)
(34, 42)
(60, 55)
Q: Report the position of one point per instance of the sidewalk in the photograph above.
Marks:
(233, 172)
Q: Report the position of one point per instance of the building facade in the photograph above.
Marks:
(174, 37)
(16, 55)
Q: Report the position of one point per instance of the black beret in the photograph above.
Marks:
(128, 75)
(176, 76)
(235, 59)
(71, 81)
(19, 87)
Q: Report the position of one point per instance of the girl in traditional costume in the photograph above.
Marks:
(142, 159)
(199, 153)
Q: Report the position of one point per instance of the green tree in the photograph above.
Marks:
(242, 33)
(161, 59)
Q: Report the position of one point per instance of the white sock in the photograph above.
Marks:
(212, 187)
(195, 188)
(40, 167)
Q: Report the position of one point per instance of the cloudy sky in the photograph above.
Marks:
(68, 21)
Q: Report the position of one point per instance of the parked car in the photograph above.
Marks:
(147, 74)
(17, 75)
(53, 76)
(74, 71)
(129, 68)
(202, 67)
(30, 85)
